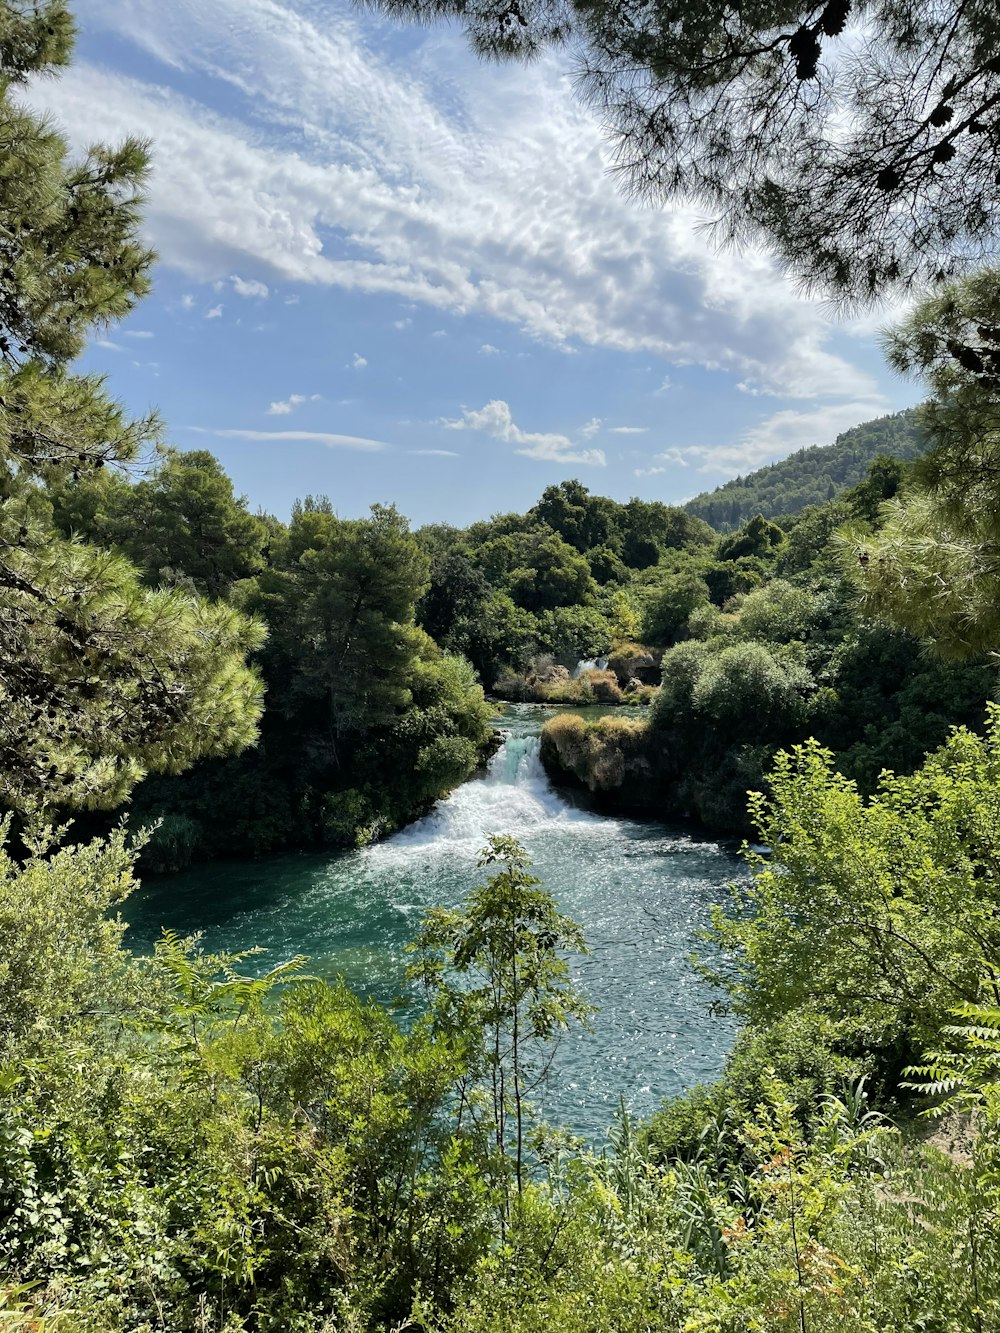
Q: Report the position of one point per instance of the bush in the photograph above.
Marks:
(604, 686)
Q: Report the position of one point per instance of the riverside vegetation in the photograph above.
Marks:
(191, 1142)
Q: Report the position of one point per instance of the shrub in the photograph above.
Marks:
(604, 686)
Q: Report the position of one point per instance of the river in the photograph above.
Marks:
(640, 890)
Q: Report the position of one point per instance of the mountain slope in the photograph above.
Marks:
(811, 476)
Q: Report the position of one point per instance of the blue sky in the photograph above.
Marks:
(389, 272)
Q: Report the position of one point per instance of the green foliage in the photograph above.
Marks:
(876, 913)
(60, 945)
(70, 230)
(181, 525)
(191, 1143)
(764, 651)
(932, 566)
(757, 537)
(538, 569)
(667, 603)
(496, 978)
(182, 1145)
(100, 679)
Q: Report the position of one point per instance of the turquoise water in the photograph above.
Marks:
(640, 890)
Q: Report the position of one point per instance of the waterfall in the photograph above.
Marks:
(513, 796)
(591, 664)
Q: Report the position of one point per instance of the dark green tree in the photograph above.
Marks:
(182, 525)
(757, 538)
(100, 679)
(457, 592)
(340, 605)
(582, 519)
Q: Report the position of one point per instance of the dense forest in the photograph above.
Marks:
(380, 643)
(193, 1142)
(810, 476)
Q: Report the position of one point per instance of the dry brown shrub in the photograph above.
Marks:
(604, 686)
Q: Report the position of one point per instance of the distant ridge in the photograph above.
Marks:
(811, 476)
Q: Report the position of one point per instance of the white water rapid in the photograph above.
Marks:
(514, 796)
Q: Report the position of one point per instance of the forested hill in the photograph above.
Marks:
(811, 476)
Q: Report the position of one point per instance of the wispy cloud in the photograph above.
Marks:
(628, 430)
(340, 137)
(495, 419)
(434, 453)
(358, 362)
(139, 333)
(214, 313)
(776, 436)
(332, 441)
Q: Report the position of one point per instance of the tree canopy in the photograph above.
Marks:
(934, 566)
(101, 679)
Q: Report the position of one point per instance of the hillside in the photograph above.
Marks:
(811, 476)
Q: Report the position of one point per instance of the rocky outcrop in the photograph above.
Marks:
(608, 756)
(633, 661)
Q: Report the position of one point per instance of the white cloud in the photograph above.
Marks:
(439, 333)
(287, 405)
(187, 301)
(139, 333)
(488, 349)
(434, 453)
(591, 428)
(628, 430)
(476, 190)
(402, 323)
(665, 385)
(249, 287)
(108, 345)
(306, 436)
(648, 471)
(777, 436)
(495, 419)
(214, 313)
(357, 362)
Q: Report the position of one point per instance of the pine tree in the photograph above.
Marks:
(101, 679)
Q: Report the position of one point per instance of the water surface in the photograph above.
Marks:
(639, 889)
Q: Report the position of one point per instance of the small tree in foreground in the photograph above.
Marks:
(497, 977)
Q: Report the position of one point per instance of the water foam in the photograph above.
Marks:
(591, 664)
(514, 796)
